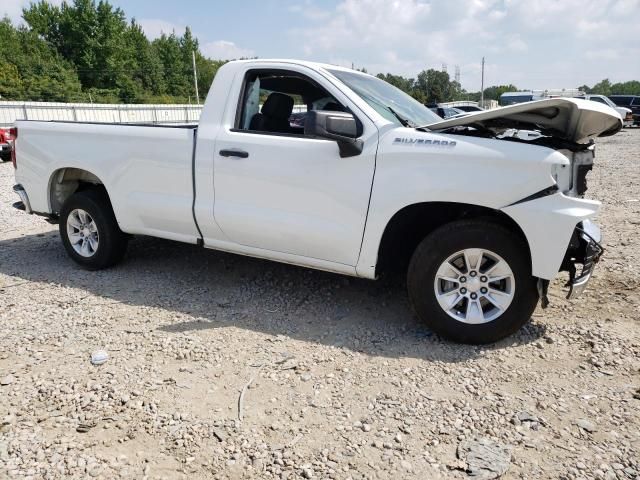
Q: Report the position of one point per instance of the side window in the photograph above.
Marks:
(597, 99)
(277, 101)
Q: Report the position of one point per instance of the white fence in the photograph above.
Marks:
(168, 114)
(99, 112)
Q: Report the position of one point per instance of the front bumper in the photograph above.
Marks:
(581, 257)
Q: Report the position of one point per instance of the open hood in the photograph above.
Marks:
(571, 119)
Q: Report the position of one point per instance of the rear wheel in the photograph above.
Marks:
(90, 232)
(471, 282)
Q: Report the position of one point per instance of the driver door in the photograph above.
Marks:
(290, 193)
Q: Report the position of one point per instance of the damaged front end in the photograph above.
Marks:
(555, 219)
(583, 253)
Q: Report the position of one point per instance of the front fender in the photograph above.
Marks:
(548, 223)
(415, 167)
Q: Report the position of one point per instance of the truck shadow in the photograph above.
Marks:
(215, 290)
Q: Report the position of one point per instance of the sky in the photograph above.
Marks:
(534, 44)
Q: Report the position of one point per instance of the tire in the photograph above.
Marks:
(103, 244)
(481, 320)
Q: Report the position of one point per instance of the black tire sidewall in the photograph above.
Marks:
(458, 236)
(111, 240)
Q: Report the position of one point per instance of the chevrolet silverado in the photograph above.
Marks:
(481, 211)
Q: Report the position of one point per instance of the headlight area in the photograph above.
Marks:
(562, 176)
(572, 179)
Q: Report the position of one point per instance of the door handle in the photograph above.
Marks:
(234, 153)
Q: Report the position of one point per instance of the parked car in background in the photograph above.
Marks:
(470, 108)
(446, 112)
(624, 112)
(511, 98)
(464, 105)
(631, 102)
(6, 144)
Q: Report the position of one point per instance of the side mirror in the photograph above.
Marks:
(339, 126)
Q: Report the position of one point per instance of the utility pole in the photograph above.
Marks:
(482, 86)
(195, 76)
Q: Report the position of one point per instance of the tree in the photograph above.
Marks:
(626, 88)
(494, 92)
(86, 49)
(31, 70)
(433, 86)
(176, 76)
(10, 83)
(146, 69)
(602, 88)
(398, 81)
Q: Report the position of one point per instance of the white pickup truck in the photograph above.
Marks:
(367, 179)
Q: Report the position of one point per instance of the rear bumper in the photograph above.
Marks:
(583, 253)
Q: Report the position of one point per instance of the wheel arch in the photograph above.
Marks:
(64, 182)
(409, 225)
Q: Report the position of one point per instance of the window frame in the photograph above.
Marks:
(240, 106)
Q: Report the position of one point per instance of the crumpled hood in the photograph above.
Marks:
(571, 119)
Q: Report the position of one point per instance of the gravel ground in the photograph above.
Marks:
(339, 380)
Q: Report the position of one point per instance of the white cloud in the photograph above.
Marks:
(224, 50)
(533, 44)
(155, 27)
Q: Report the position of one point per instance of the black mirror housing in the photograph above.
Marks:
(342, 127)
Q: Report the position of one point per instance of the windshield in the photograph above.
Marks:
(390, 102)
(609, 102)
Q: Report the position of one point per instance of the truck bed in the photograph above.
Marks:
(120, 155)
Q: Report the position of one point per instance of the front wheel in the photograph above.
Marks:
(471, 282)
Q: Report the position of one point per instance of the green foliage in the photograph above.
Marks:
(631, 87)
(398, 81)
(431, 86)
(31, 70)
(10, 82)
(494, 92)
(602, 88)
(87, 51)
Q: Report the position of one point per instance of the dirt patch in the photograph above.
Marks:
(346, 383)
